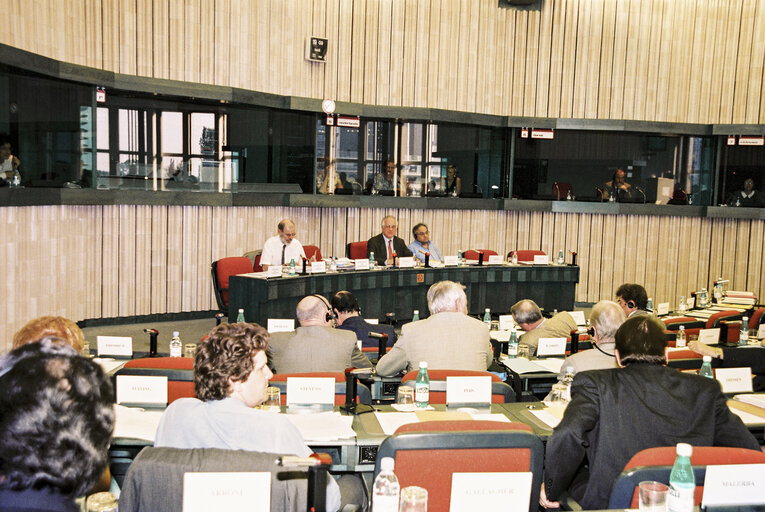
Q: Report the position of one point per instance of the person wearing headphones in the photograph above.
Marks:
(633, 299)
(348, 313)
(315, 346)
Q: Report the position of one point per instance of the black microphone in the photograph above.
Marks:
(557, 190)
(641, 191)
(153, 333)
(382, 342)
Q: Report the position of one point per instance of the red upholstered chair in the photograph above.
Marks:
(500, 392)
(526, 255)
(222, 270)
(692, 326)
(427, 454)
(472, 254)
(758, 317)
(254, 257)
(656, 464)
(312, 251)
(363, 394)
(561, 190)
(356, 250)
(178, 370)
(716, 318)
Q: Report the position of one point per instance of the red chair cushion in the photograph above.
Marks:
(227, 267)
(528, 255)
(458, 426)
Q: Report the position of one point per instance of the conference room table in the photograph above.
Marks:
(403, 290)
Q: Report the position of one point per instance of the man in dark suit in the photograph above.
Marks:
(348, 313)
(616, 413)
(387, 244)
(633, 299)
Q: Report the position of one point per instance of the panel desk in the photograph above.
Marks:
(403, 290)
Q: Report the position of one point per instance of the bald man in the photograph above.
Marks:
(283, 247)
(529, 317)
(315, 346)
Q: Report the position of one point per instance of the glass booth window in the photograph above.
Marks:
(742, 175)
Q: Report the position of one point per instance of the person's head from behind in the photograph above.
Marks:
(314, 310)
(605, 319)
(345, 305)
(56, 418)
(632, 297)
(641, 339)
(526, 314)
(56, 326)
(447, 296)
(232, 362)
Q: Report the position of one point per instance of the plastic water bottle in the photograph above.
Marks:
(743, 337)
(512, 345)
(333, 265)
(292, 267)
(649, 305)
(560, 257)
(706, 367)
(415, 315)
(703, 298)
(682, 305)
(371, 261)
(422, 387)
(176, 347)
(459, 258)
(680, 341)
(386, 489)
(240, 316)
(568, 378)
(682, 482)
(514, 259)
(718, 291)
(487, 317)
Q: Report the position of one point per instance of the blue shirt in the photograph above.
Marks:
(435, 254)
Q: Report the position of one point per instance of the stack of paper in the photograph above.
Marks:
(323, 426)
(136, 423)
(520, 365)
(757, 399)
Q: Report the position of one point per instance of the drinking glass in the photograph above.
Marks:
(523, 351)
(189, 349)
(558, 395)
(414, 499)
(273, 399)
(653, 496)
(405, 395)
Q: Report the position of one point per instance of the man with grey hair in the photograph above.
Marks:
(315, 346)
(280, 249)
(529, 317)
(448, 339)
(387, 245)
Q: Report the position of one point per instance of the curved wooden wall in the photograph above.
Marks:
(695, 61)
(109, 261)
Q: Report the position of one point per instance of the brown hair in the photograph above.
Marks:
(56, 326)
(641, 339)
(226, 355)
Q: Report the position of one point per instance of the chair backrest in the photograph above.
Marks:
(472, 254)
(428, 453)
(501, 393)
(363, 393)
(178, 370)
(656, 464)
(758, 317)
(356, 250)
(221, 271)
(154, 480)
(526, 255)
(254, 257)
(714, 320)
(560, 190)
(312, 251)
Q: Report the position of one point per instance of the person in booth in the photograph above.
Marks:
(633, 299)
(387, 244)
(280, 249)
(617, 187)
(529, 318)
(315, 346)
(615, 413)
(448, 340)
(348, 314)
(422, 244)
(748, 197)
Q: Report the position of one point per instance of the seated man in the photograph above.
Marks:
(387, 244)
(422, 244)
(56, 421)
(529, 317)
(613, 414)
(348, 313)
(315, 346)
(633, 299)
(448, 340)
(282, 248)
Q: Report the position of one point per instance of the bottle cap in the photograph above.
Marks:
(387, 464)
(682, 327)
(175, 334)
(570, 369)
(684, 449)
(488, 310)
(423, 364)
(707, 359)
(416, 311)
(744, 319)
(241, 310)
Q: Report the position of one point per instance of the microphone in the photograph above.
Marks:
(153, 333)
(641, 191)
(600, 191)
(377, 335)
(316, 459)
(557, 190)
(382, 342)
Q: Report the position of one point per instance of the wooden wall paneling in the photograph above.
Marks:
(508, 81)
(90, 233)
(684, 48)
(740, 258)
(663, 66)
(370, 70)
(557, 32)
(189, 258)
(144, 27)
(485, 51)
(341, 28)
(435, 84)
(568, 75)
(630, 269)
(672, 260)
(520, 32)
(533, 62)
(583, 234)
(258, 49)
(632, 45)
(592, 258)
(422, 54)
(176, 40)
(709, 96)
(292, 49)
(543, 64)
(649, 13)
(384, 55)
(174, 255)
(126, 260)
(729, 253)
(618, 13)
(716, 248)
(358, 50)
(756, 271)
(586, 26)
(110, 16)
(335, 52)
(549, 226)
(208, 51)
(611, 258)
(409, 64)
(110, 262)
(127, 37)
(731, 49)
(692, 85)
(745, 47)
(142, 258)
(192, 41)
(652, 262)
(227, 26)
(466, 98)
(204, 301)
(160, 38)
(752, 112)
(397, 34)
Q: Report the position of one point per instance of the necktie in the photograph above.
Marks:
(284, 248)
(390, 249)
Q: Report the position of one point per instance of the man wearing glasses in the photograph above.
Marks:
(422, 244)
(387, 245)
(633, 299)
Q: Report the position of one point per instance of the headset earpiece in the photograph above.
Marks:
(631, 304)
(330, 314)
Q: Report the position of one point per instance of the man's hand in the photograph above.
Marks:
(544, 502)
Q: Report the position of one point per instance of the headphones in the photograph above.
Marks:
(631, 304)
(591, 331)
(330, 316)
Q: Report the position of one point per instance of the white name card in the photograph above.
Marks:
(361, 264)
(495, 259)
(374, 321)
(735, 380)
(142, 389)
(541, 260)
(451, 261)
(490, 491)
(274, 271)
(281, 325)
(690, 302)
(578, 317)
(761, 332)
(734, 484)
(709, 336)
(115, 346)
(506, 323)
(551, 347)
(468, 390)
(662, 309)
(318, 267)
(305, 390)
(406, 262)
(203, 492)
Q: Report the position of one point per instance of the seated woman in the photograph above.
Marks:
(230, 379)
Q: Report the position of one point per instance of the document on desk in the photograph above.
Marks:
(136, 423)
(756, 399)
(521, 365)
(550, 416)
(323, 426)
(109, 365)
(390, 421)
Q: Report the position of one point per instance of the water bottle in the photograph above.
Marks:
(560, 257)
(649, 305)
(514, 261)
(459, 258)
(568, 378)
(568, 196)
(706, 367)
(682, 482)
(718, 291)
(333, 265)
(415, 315)
(512, 345)
(487, 317)
(386, 489)
(743, 337)
(680, 341)
(682, 305)
(422, 387)
(176, 347)
(292, 267)
(703, 298)
(371, 261)
(240, 316)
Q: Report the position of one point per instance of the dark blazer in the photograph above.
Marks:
(615, 413)
(376, 244)
(362, 329)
